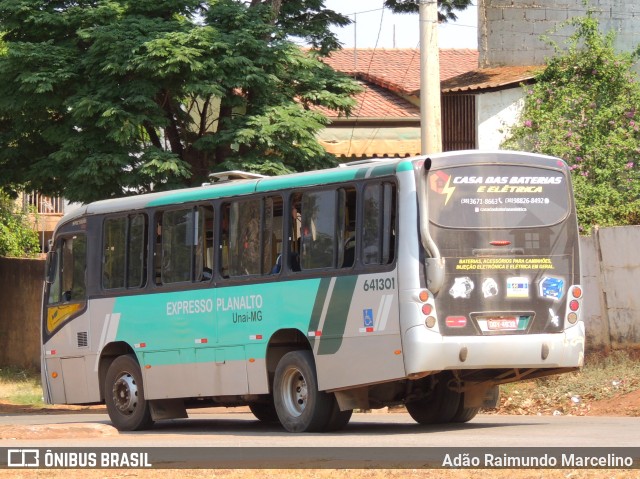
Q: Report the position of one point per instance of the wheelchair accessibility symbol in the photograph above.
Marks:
(367, 316)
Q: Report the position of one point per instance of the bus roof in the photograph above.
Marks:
(346, 172)
(242, 187)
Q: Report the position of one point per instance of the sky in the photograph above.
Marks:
(374, 27)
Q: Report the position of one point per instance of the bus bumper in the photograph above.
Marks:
(425, 351)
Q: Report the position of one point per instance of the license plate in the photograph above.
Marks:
(502, 324)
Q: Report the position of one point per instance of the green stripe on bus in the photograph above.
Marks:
(318, 305)
(335, 322)
(205, 193)
(405, 166)
(306, 179)
(383, 170)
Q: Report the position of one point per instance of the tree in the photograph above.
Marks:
(101, 98)
(17, 237)
(585, 108)
(446, 8)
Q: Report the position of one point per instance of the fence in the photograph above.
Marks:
(20, 298)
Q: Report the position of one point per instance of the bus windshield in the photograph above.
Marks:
(497, 196)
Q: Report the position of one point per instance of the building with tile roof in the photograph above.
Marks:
(478, 104)
(386, 120)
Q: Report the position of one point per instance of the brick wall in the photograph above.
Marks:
(509, 30)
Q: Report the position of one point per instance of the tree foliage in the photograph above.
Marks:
(17, 237)
(446, 8)
(100, 98)
(585, 108)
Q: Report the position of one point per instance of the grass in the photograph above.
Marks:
(20, 386)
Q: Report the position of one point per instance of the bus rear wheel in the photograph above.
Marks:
(465, 414)
(299, 404)
(124, 395)
(439, 407)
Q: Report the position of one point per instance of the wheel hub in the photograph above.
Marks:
(296, 392)
(125, 394)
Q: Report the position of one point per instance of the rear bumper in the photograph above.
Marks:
(427, 351)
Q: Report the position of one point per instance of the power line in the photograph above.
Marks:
(368, 70)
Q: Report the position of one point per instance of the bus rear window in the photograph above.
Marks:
(497, 196)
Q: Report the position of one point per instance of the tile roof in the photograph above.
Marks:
(489, 78)
(389, 74)
(376, 102)
(398, 70)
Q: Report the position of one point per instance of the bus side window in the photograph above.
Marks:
(272, 235)
(252, 236)
(206, 240)
(318, 229)
(183, 236)
(69, 280)
(379, 218)
(124, 252)
(347, 223)
(327, 228)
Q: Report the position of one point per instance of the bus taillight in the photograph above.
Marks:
(427, 309)
(456, 321)
(500, 243)
(574, 304)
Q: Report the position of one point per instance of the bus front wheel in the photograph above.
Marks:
(124, 395)
(299, 404)
(264, 411)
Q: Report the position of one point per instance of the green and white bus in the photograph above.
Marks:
(424, 281)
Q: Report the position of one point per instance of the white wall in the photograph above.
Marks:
(611, 277)
(496, 112)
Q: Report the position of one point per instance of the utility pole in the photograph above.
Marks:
(430, 119)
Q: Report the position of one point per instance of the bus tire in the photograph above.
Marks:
(299, 404)
(264, 411)
(124, 395)
(441, 406)
(464, 414)
(339, 419)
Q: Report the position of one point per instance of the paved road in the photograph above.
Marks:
(364, 430)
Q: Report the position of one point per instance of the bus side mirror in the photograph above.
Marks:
(435, 274)
(52, 262)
